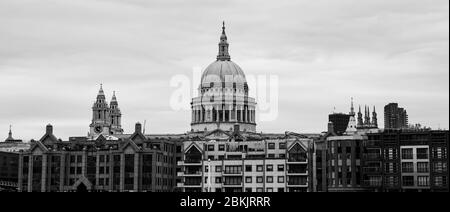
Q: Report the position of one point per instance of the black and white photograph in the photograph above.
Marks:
(224, 97)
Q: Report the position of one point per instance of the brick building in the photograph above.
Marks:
(135, 162)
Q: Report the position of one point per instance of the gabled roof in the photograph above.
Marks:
(39, 144)
(138, 137)
(48, 139)
(132, 144)
(193, 145)
(302, 145)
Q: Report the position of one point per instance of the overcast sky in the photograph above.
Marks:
(55, 53)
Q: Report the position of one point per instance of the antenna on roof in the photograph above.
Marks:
(145, 122)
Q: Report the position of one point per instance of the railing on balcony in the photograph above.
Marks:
(371, 169)
(192, 172)
(372, 156)
(373, 183)
(192, 161)
(298, 171)
(297, 158)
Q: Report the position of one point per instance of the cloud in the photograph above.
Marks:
(55, 53)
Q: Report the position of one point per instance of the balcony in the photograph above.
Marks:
(226, 184)
(372, 156)
(190, 163)
(225, 173)
(373, 183)
(371, 169)
(301, 185)
(190, 174)
(294, 173)
(297, 160)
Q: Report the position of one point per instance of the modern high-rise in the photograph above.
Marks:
(395, 117)
(406, 160)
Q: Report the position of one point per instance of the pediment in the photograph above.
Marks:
(217, 135)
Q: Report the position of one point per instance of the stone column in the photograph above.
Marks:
(44, 173)
(201, 114)
(217, 114)
(97, 169)
(62, 171)
(30, 173)
(122, 172)
(154, 164)
(20, 174)
(136, 172)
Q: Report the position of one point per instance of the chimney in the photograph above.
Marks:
(49, 129)
(236, 128)
(138, 127)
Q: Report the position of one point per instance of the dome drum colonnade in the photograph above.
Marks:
(223, 100)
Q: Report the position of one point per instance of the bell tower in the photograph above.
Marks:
(115, 116)
(100, 115)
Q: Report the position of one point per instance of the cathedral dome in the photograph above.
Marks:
(223, 71)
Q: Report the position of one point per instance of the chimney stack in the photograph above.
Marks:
(49, 129)
(138, 127)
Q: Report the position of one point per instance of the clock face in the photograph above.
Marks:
(98, 129)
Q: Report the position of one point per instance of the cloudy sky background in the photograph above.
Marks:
(55, 53)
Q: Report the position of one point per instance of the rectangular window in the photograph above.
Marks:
(259, 179)
(269, 179)
(407, 153)
(440, 181)
(248, 168)
(440, 167)
(221, 147)
(210, 147)
(218, 168)
(408, 167)
(422, 153)
(271, 145)
(280, 189)
(72, 158)
(408, 180)
(423, 167)
(282, 145)
(269, 189)
(282, 156)
(248, 179)
(269, 168)
(259, 190)
(259, 168)
(218, 179)
(280, 179)
(423, 181)
(281, 168)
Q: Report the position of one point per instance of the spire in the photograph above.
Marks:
(101, 93)
(360, 118)
(352, 109)
(223, 46)
(10, 138)
(114, 98)
(374, 118)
